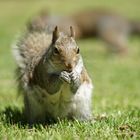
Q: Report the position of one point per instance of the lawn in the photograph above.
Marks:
(116, 100)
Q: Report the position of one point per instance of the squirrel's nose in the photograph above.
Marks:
(69, 67)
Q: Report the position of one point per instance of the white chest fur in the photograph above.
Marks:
(64, 103)
(58, 105)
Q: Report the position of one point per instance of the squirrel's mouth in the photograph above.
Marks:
(68, 67)
(69, 70)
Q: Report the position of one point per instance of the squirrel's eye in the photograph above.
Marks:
(56, 51)
(78, 50)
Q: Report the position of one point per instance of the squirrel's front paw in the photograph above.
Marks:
(64, 76)
(75, 81)
(75, 77)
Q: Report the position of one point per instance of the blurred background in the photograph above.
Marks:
(116, 77)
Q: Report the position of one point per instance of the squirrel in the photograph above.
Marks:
(107, 25)
(52, 77)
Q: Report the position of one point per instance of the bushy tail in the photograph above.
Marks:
(30, 47)
(28, 51)
(135, 27)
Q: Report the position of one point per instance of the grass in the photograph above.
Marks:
(116, 105)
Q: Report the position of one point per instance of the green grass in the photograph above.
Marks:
(116, 100)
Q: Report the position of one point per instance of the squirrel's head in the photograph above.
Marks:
(64, 51)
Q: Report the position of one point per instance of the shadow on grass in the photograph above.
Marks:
(13, 115)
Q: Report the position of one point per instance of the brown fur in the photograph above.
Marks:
(84, 76)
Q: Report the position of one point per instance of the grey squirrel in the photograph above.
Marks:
(52, 77)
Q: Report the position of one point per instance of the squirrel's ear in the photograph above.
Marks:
(55, 35)
(72, 33)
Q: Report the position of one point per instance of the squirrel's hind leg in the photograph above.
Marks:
(81, 109)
